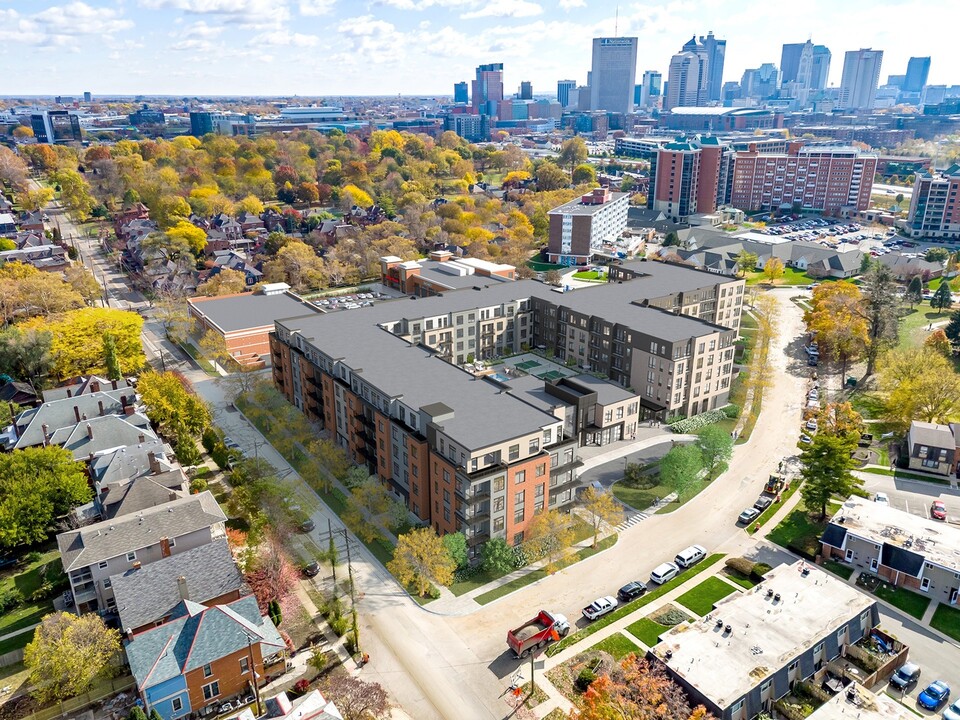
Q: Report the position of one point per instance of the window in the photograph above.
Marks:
(517, 538)
(207, 670)
(925, 585)
(541, 470)
(793, 666)
(103, 564)
(765, 685)
(535, 446)
(107, 583)
(131, 556)
(498, 524)
(841, 636)
(499, 484)
(211, 691)
(539, 491)
(818, 648)
(518, 498)
(520, 476)
(498, 504)
(244, 665)
(173, 543)
(514, 452)
(518, 516)
(176, 704)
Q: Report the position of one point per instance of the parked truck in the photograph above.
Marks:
(774, 485)
(536, 633)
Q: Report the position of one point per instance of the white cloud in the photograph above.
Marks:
(377, 41)
(193, 44)
(569, 4)
(201, 30)
(254, 14)
(283, 38)
(424, 4)
(316, 7)
(61, 26)
(505, 8)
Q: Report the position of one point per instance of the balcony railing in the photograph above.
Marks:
(470, 515)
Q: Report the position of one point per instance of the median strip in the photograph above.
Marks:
(633, 605)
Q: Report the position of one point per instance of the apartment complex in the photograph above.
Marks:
(442, 272)
(481, 454)
(690, 177)
(825, 179)
(934, 206)
(579, 227)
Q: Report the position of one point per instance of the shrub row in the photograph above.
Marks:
(698, 421)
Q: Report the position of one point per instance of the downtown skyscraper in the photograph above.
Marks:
(861, 75)
(488, 88)
(613, 74)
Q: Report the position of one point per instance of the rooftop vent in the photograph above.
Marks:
(727, 629)
(776, 598)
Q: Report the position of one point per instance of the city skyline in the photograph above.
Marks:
(412, 47)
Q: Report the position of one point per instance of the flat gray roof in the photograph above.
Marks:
(249, 311)
(577, 207)
(766, 635)
(868, 706)
(607, 392)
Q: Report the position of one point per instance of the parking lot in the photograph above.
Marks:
(350, 302)
(831, 233)
(914, 496)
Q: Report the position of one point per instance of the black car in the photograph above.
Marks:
(312, 569)
(906, 676)
(763, 502)
(7, 561)
(631, 590)
(307, 525)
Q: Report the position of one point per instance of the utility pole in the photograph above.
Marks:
(333, 549)
(253, 673)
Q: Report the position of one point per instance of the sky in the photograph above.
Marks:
(411, 47)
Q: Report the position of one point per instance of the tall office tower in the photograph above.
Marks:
(820, 67)
(716, 52)
(918, 69)
(460, 93)
(56, 126)
(760, 83)
(805, 64)
(861, 75)
(687, 81)
(563, 91)
(488, 88)
(526, 90)
(88, 96)
(790, 61)
(613, 74)
(650, 88)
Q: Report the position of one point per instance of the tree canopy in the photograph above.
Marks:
(920, 384)
(826, 466)
(837, 321)
(171, 405)
(421, 560)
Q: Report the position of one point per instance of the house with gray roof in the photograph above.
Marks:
(85, 386)
(37, 426)
(95, 553)
(204, 656)
(148, 596)
(932, 448)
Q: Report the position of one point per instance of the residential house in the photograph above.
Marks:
(31, 220)
(51, 258)
(232, 260)
(95, 553)
(932, 448)
(204, 656)
(904, 268)
(907, 550)
(228, 225)
(748, 653)
(19, 393)
(137, 211)
(250, 222)
(8, 224)
(135, 477)
(149, 595)
(274, 220)
(85, 386)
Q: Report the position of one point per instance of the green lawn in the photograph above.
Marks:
(910, 602)
(936, 282)
(647, 631)
(539, 574)
(913, 325)
(618, 645)
(791, 276)
(946, 619)
(702, 598)
(799, 532)
(26, 581)
(204, 364)
(906, 475)
(838, 568)
(868, 404)
(634, 605)
(589, 275)
(743, 581)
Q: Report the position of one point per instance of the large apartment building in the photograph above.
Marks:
(482, 455)
(934, 206)
(690, 177)
(578, 228)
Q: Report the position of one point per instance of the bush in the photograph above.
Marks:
(198, 485)
(44, 591)
(466, 572)
(332, 609)
(731, 411)
(31, 558)
(741, 565)
(210, 438)
(670, 616)
(301, 686)
(759, 570)
(10, 599)
(585, 679)
(340, 625)
(698, 421)
(351, 644)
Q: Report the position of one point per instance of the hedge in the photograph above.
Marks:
(698, 421)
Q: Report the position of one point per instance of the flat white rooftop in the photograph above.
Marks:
(765, 635)
(864, 706)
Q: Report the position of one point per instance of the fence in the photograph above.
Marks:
(72, 707)
(11, 658)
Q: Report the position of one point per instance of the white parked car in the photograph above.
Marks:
(600, 607)
(882, 498)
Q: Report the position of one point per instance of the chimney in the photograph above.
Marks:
(100, 404)
(46, 434)
(89, 431)
(128, 410)
(182, 587)
(137, 565)
(95, 386)
(164, 547)
(114, 384)
(76, 412)
(69, 392)
(154, 463)
(141, 437)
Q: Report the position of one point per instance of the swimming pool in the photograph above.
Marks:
(500, 377)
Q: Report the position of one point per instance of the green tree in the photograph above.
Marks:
(420, 560)
(914, 294)
(716, 446)
(37, 485)
(549, 177)
(8, 412)
(68, 654)
(371, 508)
(456, 546)
(110, 357)
(74, 193)
(937, 255)
(496, 557)
(746, 261)
(583, 174)
(137, 713)
(185, 448)
(573, 152)
(273, 609)
(680, 469)
(826, 471)
(921, 384)
(26, 354)
(942, 298)
(155, 715)
(880, 307)
(602, 507)
(170, 405)
(671, 239)
(952, 330)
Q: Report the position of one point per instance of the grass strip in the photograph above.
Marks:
(946, 619)
(774, 506)
(633, 605)
(701, 598)
(647, 631)
(905, 475)
(618, 645)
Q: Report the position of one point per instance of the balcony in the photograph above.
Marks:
(472, 515)
(487, 471)
(476, 538)
(472, 496)
(364, 420)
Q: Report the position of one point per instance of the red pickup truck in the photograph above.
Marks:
(535, 633)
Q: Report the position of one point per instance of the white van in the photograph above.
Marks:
(690, 556)
(663, 573)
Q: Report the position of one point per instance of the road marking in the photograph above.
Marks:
(632, 520)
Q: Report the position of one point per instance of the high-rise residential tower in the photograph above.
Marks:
(918, 69)
(563, 91)
(861, 75)
(613, 74)
(488, 88)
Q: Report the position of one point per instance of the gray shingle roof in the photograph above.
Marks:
(86, 385)
(63, 413)
(130, 461)
(109, 432)
(931, 435)
(142, 493)
(110, 538)
(152, 592)
(199, 635)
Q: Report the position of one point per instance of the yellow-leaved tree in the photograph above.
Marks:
(421, 560)
(921, 384)
(837, 321)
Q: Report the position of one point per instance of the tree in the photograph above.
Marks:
(213, 345)
(549, 177)
(952, 330)
(603, 508)
(773, 269)
(37, 485)
(584, 174)
(8, 413)
(170, 310)
(137, 713)
(12, 168)
(836, 319)
(74, 193)
(455, 545)
(110, 360)
(35, 199)
(298, 265)
(155, 714)
(421, 560)
(680, 469)
(273, 576)
(716, 446)
(68, 654)
(77, 339)
(548, 535)
(671, 239)
(276, 616)
(553, 277)
(880, 308)
(170, 405)
(186, 233)
(225, 282)
(826, 465)
(573, 152)
(921, 384)
(371, 508)
(938, 341)
(942, 297)
(937, 255)
(25, 354)
(354, 698)
(84, 283)
(637, 688)
(496, 557)
(914, 294)
(841, 420)
(746, 261)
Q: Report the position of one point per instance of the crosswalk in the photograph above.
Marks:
(632, 520)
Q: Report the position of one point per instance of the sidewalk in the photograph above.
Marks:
(624, 448)
(21, 631)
